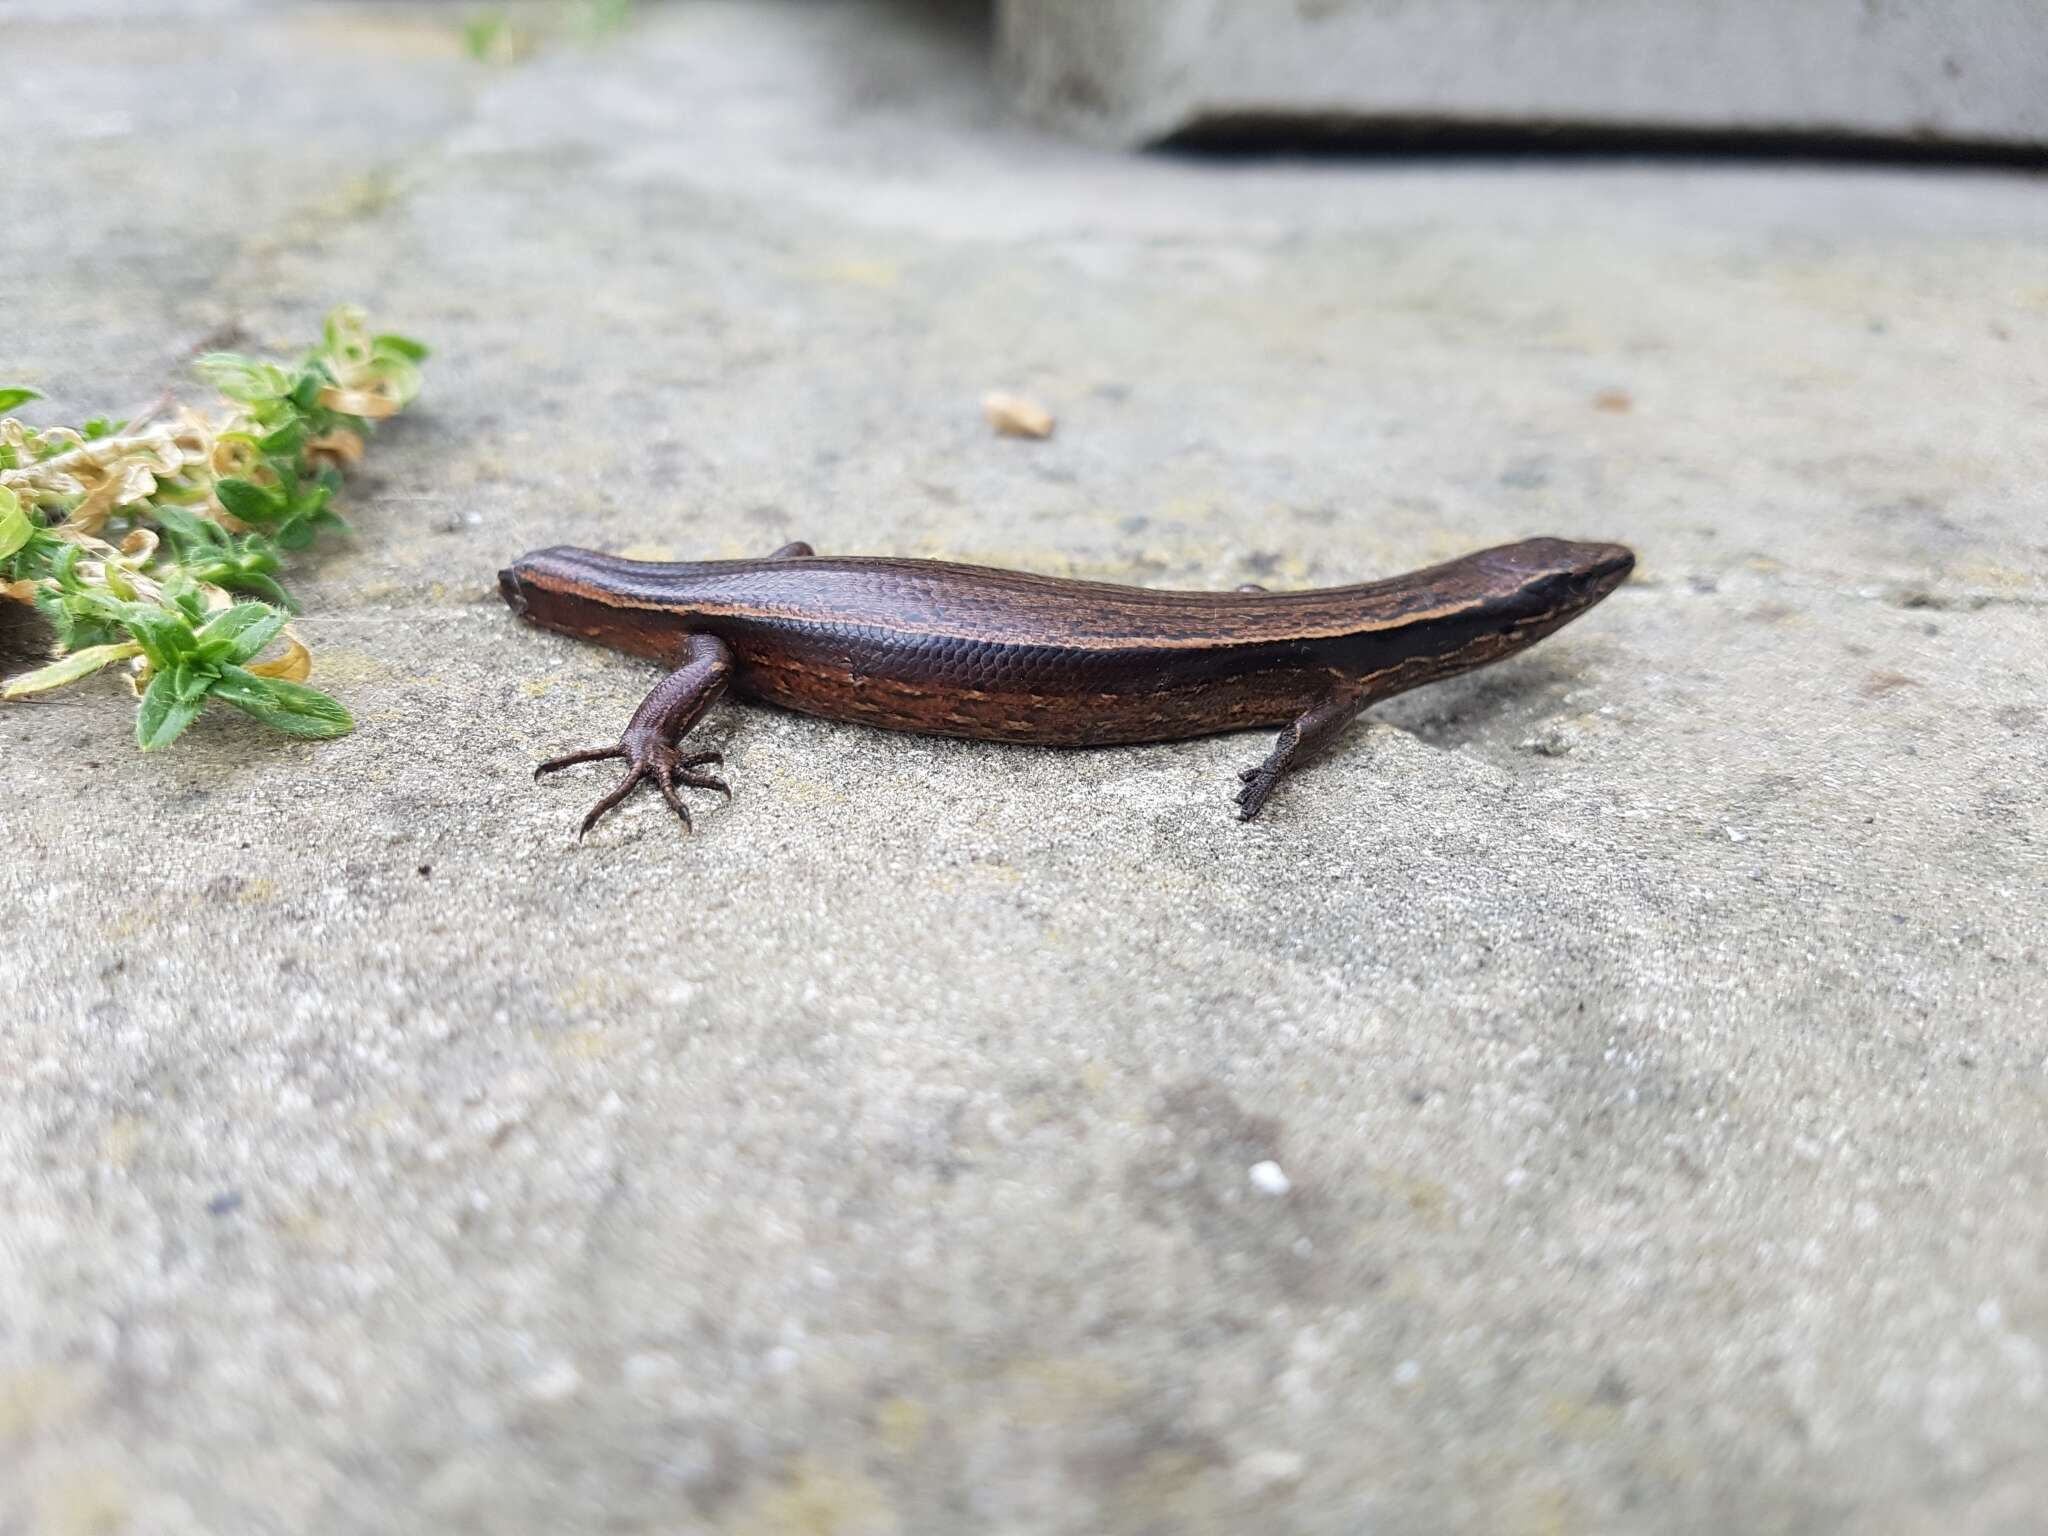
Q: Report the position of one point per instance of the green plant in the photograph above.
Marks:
(493, 36)
(158, 542)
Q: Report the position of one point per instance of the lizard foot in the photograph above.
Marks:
(650, 759)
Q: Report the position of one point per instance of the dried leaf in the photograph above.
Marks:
(341, 448)
(294, 666)
(234, 457)
(1016, 416)
(375, 403)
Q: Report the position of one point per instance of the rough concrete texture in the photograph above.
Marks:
(1134, 71)
(1647, 1033)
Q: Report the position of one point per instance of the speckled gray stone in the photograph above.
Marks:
(1647, 1033)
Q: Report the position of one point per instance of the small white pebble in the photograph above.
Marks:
(1736, 834)
(647, 1368)
(1407, 1373)
(1263, 1470)
(555, 1384)
(1516, 1178)
(1269, 1178)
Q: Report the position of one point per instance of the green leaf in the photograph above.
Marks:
(16, 526)
(192, 536)
(163, 634)
(305, 393)
(292, 708)
(190, 678)
(14, 395)
(248, 501)
(299, 532)
(607, 16)
(69, 670)
(76, 626)
(481, 34)
(182, 595)
(164, 716)
(31, 560)
(412, 351)
(238, 633)
(243, 378)
(257, 584)
(286, 441)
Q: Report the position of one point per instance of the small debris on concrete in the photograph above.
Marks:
(1269, 1178)
(1016, 416)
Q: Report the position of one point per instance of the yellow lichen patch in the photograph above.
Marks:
(377, 1116)
(1058, 1389)
(1999, 578)
(418, 35)
(1580, 1418)
(1169, 1483)
(599, 992)
(859, 272)
(36, 1398)
(584, 1044)
(537, 690)
(1537, 1512)
(122, 1139)
(812, 792)
(900, 1424)
(1429, 1200)
(86, 1503)
(134, 921)
(816, 1500)
(349, 666)
(307, 1227)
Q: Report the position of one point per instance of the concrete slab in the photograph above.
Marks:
(1138, 71)
(1648, 1032)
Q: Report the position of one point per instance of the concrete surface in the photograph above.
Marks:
(1647, 1033)
(1135, 71)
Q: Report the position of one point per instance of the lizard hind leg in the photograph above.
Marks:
(1301, 741)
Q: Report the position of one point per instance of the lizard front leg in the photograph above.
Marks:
(1310, 734)
(649, 745)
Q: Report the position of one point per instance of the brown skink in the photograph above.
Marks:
(964, 650)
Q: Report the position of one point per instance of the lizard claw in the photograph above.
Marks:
(1258, 788)
(680, 773)
(570, 759)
